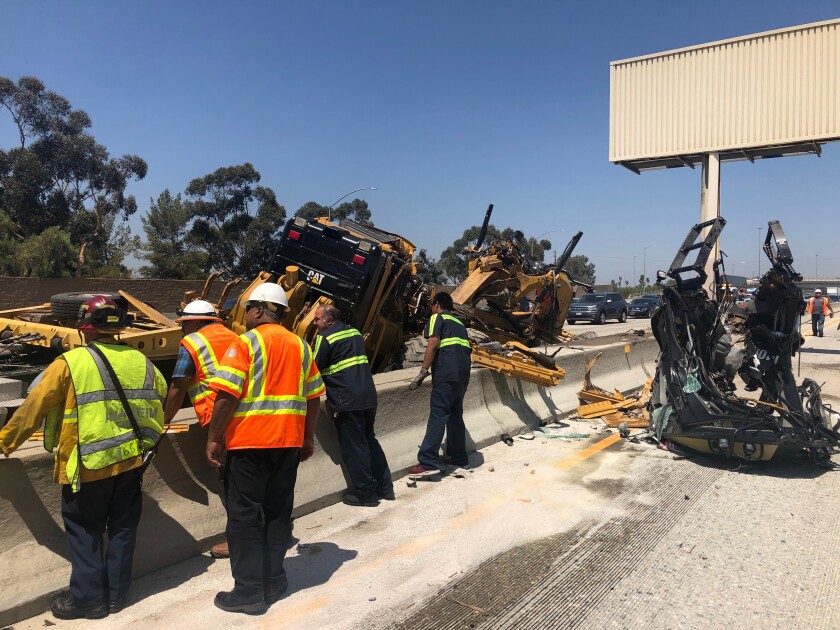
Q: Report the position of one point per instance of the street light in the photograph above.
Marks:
(537, 239)
(330, 207)
(644, 264)
(759, 252)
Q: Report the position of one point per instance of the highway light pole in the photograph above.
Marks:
(644, 263)
(543, 234)
(759, 253)
(330, 207)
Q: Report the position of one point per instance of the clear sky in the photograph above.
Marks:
(443, 106)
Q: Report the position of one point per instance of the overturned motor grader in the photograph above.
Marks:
(707, 340)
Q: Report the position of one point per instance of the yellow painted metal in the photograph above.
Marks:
(519, 363)
(701, 445)
(761, 90)
(152, 313)
(467, 290)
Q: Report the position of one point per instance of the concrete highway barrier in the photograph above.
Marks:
(182, 513)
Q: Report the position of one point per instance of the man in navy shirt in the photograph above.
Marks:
(449, 356)
(351, 396)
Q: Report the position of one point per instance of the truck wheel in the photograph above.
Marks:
(602, 318)
(67, 305)
(570, 321)
(414, 351)
(623, 317)
(476, 336)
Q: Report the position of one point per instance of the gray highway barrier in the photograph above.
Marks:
(182, 513)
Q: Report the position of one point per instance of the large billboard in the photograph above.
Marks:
(761, 95)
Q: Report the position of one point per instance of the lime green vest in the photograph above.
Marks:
(106, 436)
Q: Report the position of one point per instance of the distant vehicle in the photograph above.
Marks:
(642, 307)
(656, 297)
(598, 308)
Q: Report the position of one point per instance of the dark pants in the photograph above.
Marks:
(446, 412)
(363, 457)
(111, 505)
(259, 496)
(817, 322)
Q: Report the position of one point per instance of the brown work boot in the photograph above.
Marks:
(220, 550)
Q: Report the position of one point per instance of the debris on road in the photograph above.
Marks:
(612, 407)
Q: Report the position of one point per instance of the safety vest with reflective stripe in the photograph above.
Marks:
(106, 436)
(281, 376)
(338, 366)
(206, 347)
(450, 341)
(824, 306)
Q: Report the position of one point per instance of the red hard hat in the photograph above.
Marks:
(101, 313)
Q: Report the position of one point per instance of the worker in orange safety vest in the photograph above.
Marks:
(205, 342)
(267, 405)
(819, 307)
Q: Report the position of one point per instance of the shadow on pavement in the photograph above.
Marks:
(819, 351)
(785, 467)
(315, 564)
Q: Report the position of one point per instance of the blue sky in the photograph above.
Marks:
(443, 106)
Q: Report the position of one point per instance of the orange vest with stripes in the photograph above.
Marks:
(823, 304)
(206, 347)
(272, 372)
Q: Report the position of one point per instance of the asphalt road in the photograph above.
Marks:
(573, 529)
(610, 328)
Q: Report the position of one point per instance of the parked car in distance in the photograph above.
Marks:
(656, 297)
(598, 308)
(642, 307)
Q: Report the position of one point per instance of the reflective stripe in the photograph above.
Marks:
(314, 386)
(149, 382)
(198, 391)
(344, 364)
(103, 373)
(454, 341)
(269, 405)
(104, 445)
(305, 365)
(452, 318)
(204, 352)
(343, 334)
(318, 340)
(232, 377)
(257, 351)
(137, 394)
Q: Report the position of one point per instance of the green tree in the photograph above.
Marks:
(60, 177)
(429, 269)
(234, 222)
(167, 249)
(357, 210)
(579, 268)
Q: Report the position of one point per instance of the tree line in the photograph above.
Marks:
(64, 210)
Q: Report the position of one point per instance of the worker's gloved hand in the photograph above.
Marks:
(418, 380)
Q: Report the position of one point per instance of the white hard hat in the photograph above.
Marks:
(817, 290)
(269, 293)
(197, 309)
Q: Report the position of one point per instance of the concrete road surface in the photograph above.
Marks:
(573, 529)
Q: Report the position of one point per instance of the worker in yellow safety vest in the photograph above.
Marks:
(205, 342)
(103, 405)
(819, 307)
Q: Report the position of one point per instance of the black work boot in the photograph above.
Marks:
(64, 608)
(353, 498)
(275, 591)
(231, 601)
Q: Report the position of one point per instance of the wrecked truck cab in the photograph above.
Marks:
(694, 400)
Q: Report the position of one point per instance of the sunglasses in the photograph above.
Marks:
(251, 305)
